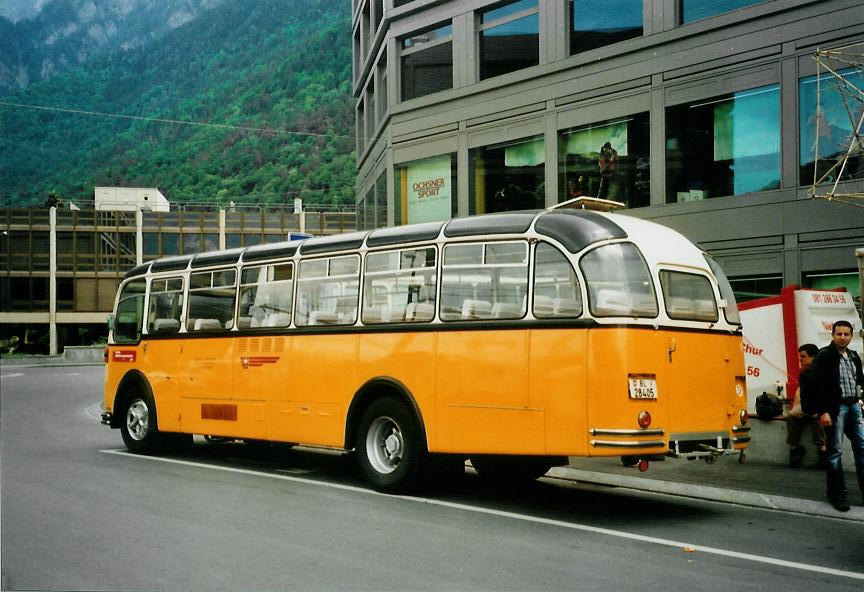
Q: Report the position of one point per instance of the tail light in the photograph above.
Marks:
(743, 417)
(644, 419)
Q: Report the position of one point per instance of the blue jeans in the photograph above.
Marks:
(849, 421)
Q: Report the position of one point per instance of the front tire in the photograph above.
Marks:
(390, 449)
(139, 427)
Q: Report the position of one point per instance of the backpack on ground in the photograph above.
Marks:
(768, 406)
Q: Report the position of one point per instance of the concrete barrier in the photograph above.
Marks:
(84, 354)
(768, 443)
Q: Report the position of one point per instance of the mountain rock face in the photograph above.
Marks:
(250, 101)
(39, 40)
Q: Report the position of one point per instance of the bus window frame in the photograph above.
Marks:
(358, 254)
(667, 269)
(650, 276)
(256, 265)
(190, 291)
(581, 287)
(524, 241)
(184, 284)
(399, 249)
(141, 320)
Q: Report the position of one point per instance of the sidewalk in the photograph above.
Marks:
(756, 484)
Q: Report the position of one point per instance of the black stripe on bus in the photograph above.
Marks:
(509, 223)
(271, 251)
(335, 242)
(216, 258)
(496, 325)
(136, 271)
(404, 234)
(576, 229)
(171, 263)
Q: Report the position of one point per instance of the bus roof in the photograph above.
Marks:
(574, 229)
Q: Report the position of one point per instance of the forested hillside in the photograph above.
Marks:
(247, 67)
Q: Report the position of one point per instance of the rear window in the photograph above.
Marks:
(618, 281)
(688, 296)
(730, 311)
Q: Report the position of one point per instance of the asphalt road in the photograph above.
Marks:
(79, 513)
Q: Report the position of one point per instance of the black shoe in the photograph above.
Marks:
(841, 505)
(796, 456)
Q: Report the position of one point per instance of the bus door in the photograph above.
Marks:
(261, 362)
(162, 348)
(482, 371)
(204, 357)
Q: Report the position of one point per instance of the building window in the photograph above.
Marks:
(382, 85)
(508, 176)
(509, 38)
(425, 190)
(427, 62)
(696, 10)
(827, 124)
(727, 145)
(381, 200)
(597, 23)
(755, 287)
(609, 160)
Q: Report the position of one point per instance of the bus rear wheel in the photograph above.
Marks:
(139, 427)
(389, 448)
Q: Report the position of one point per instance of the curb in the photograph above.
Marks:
(704, 492)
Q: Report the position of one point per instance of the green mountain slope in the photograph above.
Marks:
(264, 64)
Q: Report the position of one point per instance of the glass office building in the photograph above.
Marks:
(698, 114)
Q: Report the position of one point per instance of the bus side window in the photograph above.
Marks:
(399, 286)
(618, 281)
(211, 300)
(166, 305)
(328, 291)
(688, 296)
(484, 281)
(556, 286)
(130, 312)
(266, 294)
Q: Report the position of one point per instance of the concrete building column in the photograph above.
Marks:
(52, 281)
(139, 237)
(221, 229)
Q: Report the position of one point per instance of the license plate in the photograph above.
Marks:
(642, 387)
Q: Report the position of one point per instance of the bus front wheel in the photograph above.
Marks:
(139, 428)
(389, 446)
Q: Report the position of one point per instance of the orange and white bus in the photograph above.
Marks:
(515, 340)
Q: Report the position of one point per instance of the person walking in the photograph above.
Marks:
(838, 381)
(797, 420)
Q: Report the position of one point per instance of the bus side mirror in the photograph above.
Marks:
(111, 323)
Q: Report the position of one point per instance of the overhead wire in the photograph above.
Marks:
(264, 130)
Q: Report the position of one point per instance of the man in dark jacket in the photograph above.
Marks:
(838, 381)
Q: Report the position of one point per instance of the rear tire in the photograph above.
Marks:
(390, 450)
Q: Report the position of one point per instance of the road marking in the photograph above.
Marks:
(15, 375)
(514, 516)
